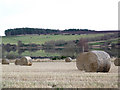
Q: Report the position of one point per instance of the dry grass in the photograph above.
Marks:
(58, 75)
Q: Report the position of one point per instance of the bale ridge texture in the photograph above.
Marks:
(93, 61)
(68, 59)
(24, 61)
(117, 62)
(17, 62)
(5, 61)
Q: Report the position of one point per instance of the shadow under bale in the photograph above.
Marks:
(68, 59)
(94, 61)
(5, 61)
(24, 61)
(117, 62)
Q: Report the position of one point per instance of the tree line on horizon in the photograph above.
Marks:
(39, 31)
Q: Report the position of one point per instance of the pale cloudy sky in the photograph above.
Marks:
(59, 14)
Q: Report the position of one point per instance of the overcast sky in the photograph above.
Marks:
(59, 14)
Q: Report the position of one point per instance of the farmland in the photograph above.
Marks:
(41, 39)
(56, 74)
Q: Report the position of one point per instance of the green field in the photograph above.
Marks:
(115, 40)
(41, 39)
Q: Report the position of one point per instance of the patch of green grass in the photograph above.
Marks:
(41, 39)
(97, 49)
(96, 43)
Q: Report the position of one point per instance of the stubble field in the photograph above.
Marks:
(58, 74)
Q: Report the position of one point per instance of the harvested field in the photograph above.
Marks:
(57, 75)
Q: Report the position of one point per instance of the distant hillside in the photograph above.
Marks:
(41, 39)
(39, 31)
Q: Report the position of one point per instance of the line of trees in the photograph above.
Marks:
(24, 31)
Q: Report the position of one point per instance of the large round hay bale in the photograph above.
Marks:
(5, 61)
(94, 61)
(117, 62)
(68, 59)
(26, 60)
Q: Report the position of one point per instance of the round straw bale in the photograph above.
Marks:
(26, 60)
(117, 62)
(5, 61)
(68, 59)
(94, 61)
